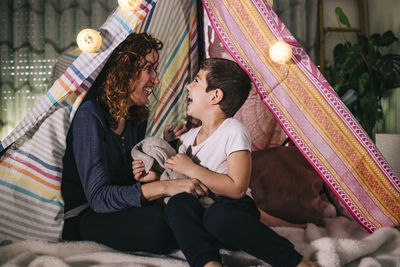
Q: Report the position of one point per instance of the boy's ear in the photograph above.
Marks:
(217, 96)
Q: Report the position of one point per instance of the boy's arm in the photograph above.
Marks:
(234, 184)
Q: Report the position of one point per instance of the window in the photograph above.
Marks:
(34, 33)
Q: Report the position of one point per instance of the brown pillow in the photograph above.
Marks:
(286, 186)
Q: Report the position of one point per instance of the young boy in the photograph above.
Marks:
(219, 156)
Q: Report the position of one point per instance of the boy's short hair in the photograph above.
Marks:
(228, 76)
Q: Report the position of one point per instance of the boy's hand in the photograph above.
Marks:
(140, 175)
(180, 163)
(171, 134)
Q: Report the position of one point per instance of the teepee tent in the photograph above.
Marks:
(299, 97)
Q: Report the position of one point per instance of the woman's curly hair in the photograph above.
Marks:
(112, 85)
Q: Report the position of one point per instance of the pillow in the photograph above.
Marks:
(286, 186)
(265, 131)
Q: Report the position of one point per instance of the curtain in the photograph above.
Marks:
(33, 34)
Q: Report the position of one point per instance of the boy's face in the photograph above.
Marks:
(198, 98)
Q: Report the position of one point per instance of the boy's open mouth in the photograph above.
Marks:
(148, 89)
(190, 100)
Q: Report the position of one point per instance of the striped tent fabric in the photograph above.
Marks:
(265, 131)
(63, 62)
(174, 22)
(309, 111)
(31, 206)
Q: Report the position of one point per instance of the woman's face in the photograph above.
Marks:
(147, 78)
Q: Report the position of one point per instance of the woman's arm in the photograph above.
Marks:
(91, 155)
(154, 189)
(138, 169)
(234, 184)
(158, 189)
(101, 194)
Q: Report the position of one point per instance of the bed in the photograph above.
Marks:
(321, 231)
(341, 242)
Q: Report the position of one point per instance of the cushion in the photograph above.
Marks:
(286, 186)
(265, 131)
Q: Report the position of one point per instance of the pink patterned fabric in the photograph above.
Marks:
(310, 112)
(264, 130)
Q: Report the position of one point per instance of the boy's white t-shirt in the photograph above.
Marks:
(212, 153)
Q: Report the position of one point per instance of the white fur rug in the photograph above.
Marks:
(340, 243)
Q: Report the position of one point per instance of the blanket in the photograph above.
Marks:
(342, 242)
(153, 152)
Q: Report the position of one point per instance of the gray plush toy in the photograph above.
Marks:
(154, 151)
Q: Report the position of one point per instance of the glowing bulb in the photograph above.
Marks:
(89, 40)
(280, 52)
(129, 5)
(270, 2)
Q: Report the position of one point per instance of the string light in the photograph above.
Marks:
(129, 5)
(89, 40)
(280, 52)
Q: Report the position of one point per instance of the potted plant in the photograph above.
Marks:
(360, 73)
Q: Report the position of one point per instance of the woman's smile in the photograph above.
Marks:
(147, 78)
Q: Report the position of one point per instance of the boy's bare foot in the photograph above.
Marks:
(213, 264)
(307, 263)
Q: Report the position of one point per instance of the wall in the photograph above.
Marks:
(391, 113)
(384, 15)
(350, 8)
(381, 16)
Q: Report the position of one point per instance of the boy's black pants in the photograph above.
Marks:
(228, 223)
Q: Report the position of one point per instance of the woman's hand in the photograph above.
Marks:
(171, 134)
(180, 163)
(188, 185)
(169, 188)
(140, 175)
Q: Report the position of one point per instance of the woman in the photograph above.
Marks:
(103, 201)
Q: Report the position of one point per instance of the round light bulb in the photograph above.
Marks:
(89, 40)
(270, 2)
(129, 5)
(280, 52)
